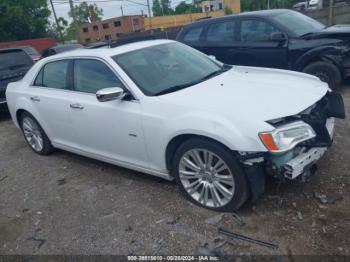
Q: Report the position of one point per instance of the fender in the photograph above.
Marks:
(333, 54)
(206, 124)
(215, 127)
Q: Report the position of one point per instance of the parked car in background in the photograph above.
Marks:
(163, 108)
(300, 6)
(60, 49)
(97, 45)
(32, 52)
(282, 39)
(315, 4)
(14, 63)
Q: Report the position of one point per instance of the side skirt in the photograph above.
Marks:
(164, 175)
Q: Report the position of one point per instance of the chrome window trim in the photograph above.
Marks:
(31, 84)
(127, 87)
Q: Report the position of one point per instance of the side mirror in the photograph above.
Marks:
(212, 57)
(111, 93)
(278, 36)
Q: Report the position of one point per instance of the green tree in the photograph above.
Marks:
(53, 29)
(82, 13)
(184, 8)
(165, 6)
(250, 5)
(70, 33)
(23, 19)
(156, 8)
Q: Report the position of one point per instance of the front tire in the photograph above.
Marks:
(35, 135)
(209, 175)
(327, 72)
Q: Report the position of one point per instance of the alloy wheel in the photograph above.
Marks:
(206, 178)
(32, 134)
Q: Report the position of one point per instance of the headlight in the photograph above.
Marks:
(287, 136)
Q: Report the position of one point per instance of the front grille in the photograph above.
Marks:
(331, 105)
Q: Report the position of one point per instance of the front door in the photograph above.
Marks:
(112, 129)
(220, 41)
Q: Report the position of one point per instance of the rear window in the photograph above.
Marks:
(14, 59)
(53, 75)
(30, 50)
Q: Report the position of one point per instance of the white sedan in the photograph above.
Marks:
(165, 109)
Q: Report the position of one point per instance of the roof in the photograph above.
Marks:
(111, 51)
(11, 48)
(260, 13)
(65, 46)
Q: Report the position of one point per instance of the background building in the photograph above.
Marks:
(168, 21)
(110, 29)
(233, 5)
(216, 5)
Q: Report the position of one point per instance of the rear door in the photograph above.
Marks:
(255, 48)
(49, 97)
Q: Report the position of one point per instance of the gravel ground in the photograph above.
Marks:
(67, 204)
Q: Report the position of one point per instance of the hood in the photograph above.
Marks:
(344, 29)
(255, 93)
(341, 32)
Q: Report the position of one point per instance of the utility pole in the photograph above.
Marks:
(149, 16)
(74, 19)
(121, 8)
(330, 14)
(57, 24)
(132, 23)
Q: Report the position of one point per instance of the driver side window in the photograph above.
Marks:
(92, 75)
(256, 30)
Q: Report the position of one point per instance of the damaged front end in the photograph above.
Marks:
(313, 132)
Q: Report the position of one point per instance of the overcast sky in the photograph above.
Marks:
(111, 8)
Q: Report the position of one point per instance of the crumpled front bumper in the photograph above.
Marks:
(306, 159)
(301, 160)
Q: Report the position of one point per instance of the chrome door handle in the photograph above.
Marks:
(76, 106)
(35, 99)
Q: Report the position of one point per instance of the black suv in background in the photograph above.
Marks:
(60, 49)
(14, 64)
(282, 39)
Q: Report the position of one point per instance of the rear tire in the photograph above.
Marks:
(327, 72)
(213, 178)
(35, 135)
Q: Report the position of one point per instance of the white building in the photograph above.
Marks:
(212, 5)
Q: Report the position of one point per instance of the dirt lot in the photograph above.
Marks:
(67, 204)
